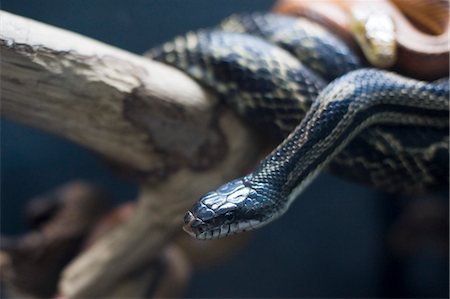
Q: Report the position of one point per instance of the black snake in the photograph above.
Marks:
(369, 125)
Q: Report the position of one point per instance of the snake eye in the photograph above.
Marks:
(229, 216)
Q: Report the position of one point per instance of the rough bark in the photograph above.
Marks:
(130, 109)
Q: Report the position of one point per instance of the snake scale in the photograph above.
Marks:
(294, 77)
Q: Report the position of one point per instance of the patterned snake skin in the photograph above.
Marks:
(368, 125)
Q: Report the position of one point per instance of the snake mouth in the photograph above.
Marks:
(195, 227)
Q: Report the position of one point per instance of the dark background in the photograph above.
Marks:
(332, 242)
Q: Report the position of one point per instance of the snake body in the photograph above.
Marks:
(369, 125)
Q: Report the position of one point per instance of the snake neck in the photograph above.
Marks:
(346, 107)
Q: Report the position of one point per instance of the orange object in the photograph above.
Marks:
(421, 30)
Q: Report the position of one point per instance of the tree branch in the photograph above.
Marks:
(137, 112)
(130, 109)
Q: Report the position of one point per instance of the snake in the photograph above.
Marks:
(293, 78)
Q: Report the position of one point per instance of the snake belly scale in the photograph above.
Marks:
(369, 125)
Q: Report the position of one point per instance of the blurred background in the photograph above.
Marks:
(333, 242)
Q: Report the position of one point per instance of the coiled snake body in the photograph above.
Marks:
(368, 125)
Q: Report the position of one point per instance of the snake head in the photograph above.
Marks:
(374, 31)
(230, 209)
